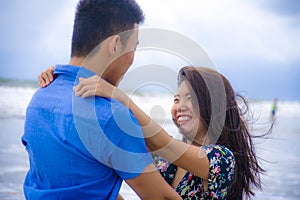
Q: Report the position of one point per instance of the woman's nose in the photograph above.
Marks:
(181, 107)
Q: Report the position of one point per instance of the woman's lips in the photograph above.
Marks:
(183, 119)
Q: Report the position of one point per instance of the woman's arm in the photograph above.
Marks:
(120, 197)
(188, 157)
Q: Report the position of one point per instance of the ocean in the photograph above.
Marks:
(278, 153)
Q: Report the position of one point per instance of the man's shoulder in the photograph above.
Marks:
(112, 108)
(109, 105)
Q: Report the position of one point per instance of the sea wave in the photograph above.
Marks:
(279, 149)
(14, 100)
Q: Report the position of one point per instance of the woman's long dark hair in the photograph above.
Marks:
(222, 116)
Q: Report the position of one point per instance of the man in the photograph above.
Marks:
(83, 148)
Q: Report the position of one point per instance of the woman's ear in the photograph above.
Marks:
(114, 44)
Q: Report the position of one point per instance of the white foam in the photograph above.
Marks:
(14, 100)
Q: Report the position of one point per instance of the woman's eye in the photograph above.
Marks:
(176, 100)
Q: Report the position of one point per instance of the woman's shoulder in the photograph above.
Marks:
(220, 158)
(221, 169)
(217, 150)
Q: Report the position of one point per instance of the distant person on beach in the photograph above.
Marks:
(78, 148)
(274, 109)
(219, 160)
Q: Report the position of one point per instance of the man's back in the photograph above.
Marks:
(73, 144)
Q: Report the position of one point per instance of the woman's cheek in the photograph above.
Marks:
(173, 113)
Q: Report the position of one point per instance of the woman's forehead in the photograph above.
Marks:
(183, 89)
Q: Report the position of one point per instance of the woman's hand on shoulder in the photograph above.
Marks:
(94, 86)
(46, 77)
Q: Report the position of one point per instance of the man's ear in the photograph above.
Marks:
(114, 44)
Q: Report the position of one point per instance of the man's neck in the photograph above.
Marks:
(80, 61)
(95, 65)
(76, 61)
(88, 64)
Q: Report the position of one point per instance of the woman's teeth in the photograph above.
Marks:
(183, 118)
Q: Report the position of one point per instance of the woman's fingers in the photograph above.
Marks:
(80, 85)
(46, 77)
(51, 68)
(86, 90)
(41, 81)
(88, 93)
(49, 74)
(86, 87)
(93, 86)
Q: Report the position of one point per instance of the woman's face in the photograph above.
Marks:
(185, 115)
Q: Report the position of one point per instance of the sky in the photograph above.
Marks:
(254, 43)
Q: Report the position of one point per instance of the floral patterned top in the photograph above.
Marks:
(221, 170)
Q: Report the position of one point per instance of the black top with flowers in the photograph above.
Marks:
(221, 170)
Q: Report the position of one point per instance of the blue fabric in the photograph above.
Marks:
(79, 148)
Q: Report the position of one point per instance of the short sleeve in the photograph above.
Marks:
(221, 170)
(166, 169)
(129, 155)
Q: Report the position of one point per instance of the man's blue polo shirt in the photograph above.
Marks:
(79, 148)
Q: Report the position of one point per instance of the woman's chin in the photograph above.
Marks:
(185, 133)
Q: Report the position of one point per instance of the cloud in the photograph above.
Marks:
(255, 44)
(287, 7)
(35, 34)
(228, 29)
(234, 33)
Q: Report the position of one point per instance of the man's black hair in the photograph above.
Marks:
(96, 20)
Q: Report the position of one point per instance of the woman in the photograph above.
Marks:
(218, 161)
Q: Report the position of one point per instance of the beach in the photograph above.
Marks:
(278, 153)
(13, 159)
